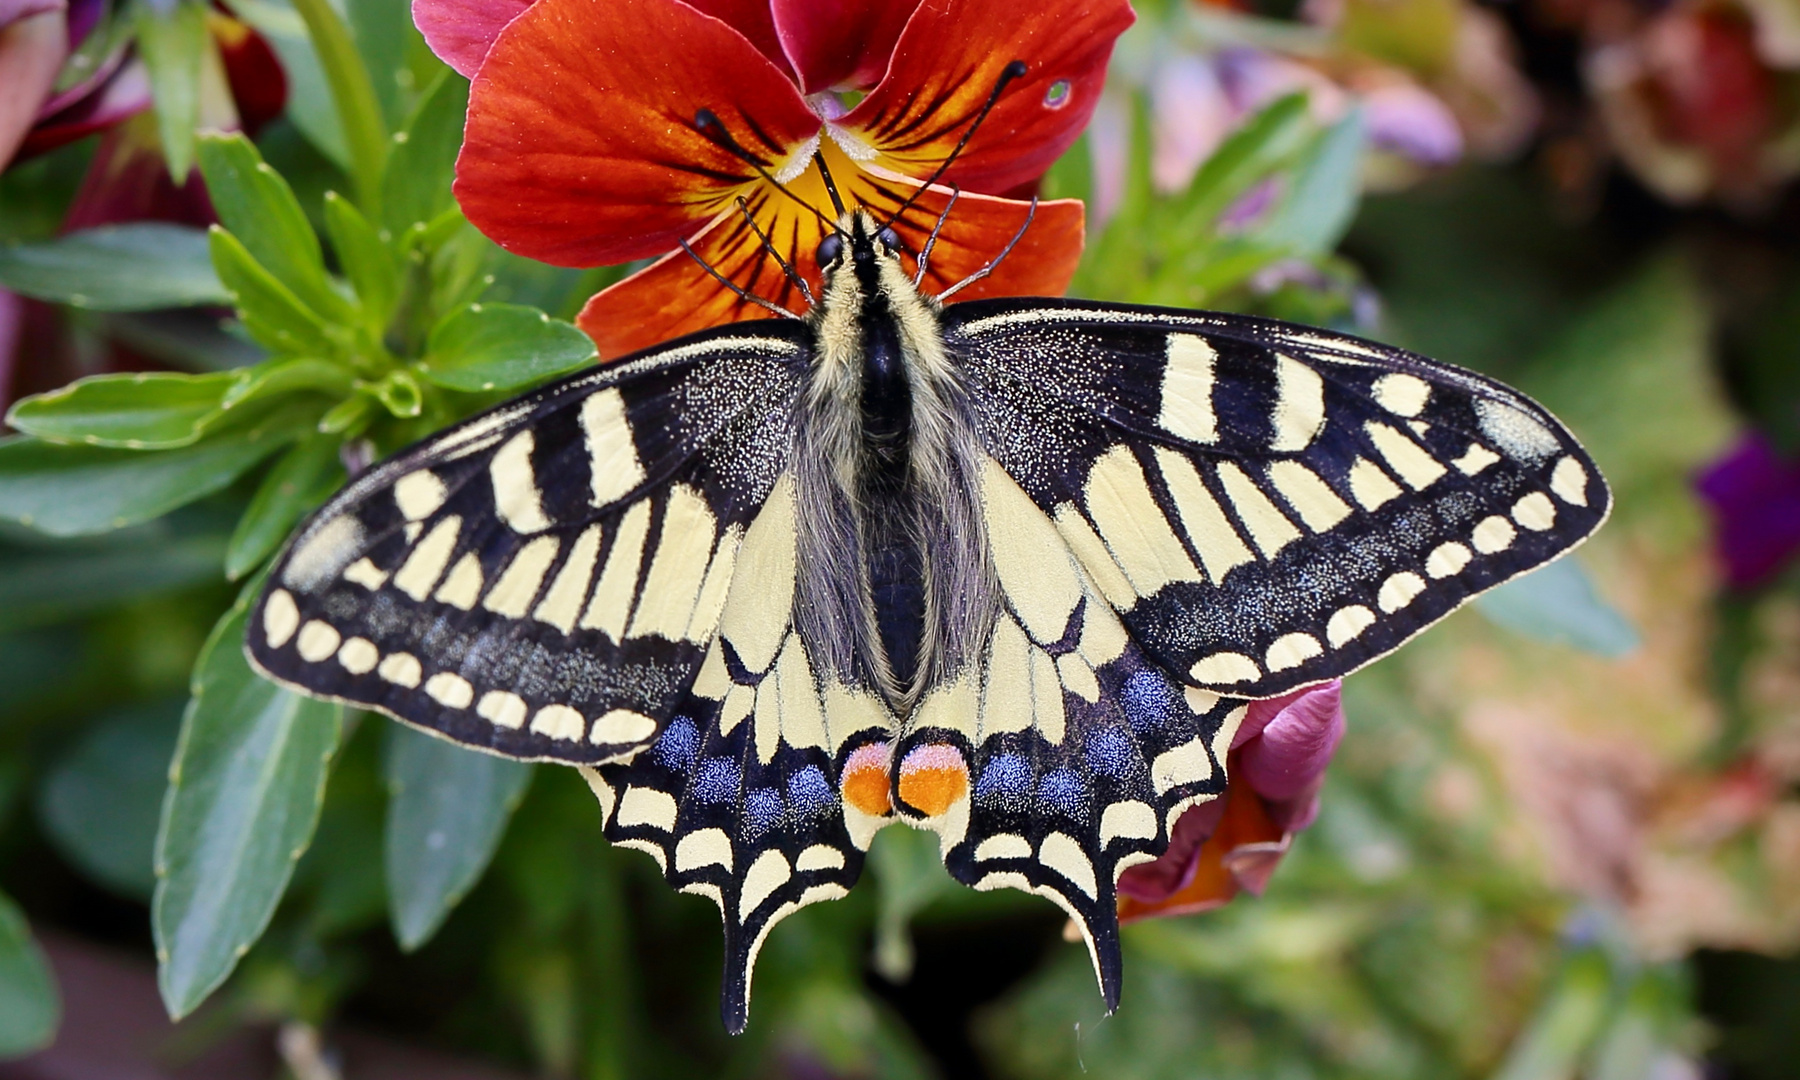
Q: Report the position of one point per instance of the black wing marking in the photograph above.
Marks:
(542, 580)
(1268, 505)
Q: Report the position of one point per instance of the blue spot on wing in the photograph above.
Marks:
(679, 743)
(1006, 780)
(718, 780)
(1150, 700)
(1065, 793)
(1109, 752)
(810, 792)
(763, 810)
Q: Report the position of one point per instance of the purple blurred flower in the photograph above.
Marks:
(36, 39)
(1754, 496)
(1219, 847)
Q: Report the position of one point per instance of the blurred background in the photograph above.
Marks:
(1561, 838)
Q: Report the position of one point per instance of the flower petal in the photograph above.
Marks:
(675, 295)
(1290, 754)
(1754, 496)
(580, 146)
(1238, 854)
(978, 229)
(125, 94)
(31, 52)
(844, 44)
(947, 62)
(462, 31)
(754, 20)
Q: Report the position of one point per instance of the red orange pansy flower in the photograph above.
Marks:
(581, 146)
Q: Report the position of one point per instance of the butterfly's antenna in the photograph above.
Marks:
(743, 205)
(837, 201)
(742, 294)
(931, 241)
(995, 261)
(1012, 71)
(708, 124)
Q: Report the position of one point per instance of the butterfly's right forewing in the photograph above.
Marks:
(542, 580)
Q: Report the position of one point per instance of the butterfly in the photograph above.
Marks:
(1007, 570)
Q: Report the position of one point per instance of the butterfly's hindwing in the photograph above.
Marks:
(1067, 753)
(542, 580)
(1268, 506)
(757, 794)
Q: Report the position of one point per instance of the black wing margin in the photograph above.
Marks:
(542, 580)
(1268, 505)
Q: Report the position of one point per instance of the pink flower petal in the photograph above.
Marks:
(461, 31)
(32, 49)
(1290, 754)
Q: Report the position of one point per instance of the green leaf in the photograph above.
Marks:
(99, 801)
(277, 377)
(298, 482)
(371, 266)
(57, 584)
(359, 113)
(501, 347)
(1559, 604)
(271, 312)
(74, 490)
(309, 98)
(383, 30)
(29, 1009)
(416, 187)
(1568, 1020)
(175, 46)
(401, 394)
(137, 267)
(259, 209)
(909, 875)
(244, 794)
(143, 411)
(1323, 194)
(447, 809)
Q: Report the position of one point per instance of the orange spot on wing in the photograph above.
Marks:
(933, 778)
(865, 780)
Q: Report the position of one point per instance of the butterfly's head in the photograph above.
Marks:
(859, 241)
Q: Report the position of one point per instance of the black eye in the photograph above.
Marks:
(889, 239)
(830, 248)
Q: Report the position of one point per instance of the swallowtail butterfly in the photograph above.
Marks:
(1007, 570)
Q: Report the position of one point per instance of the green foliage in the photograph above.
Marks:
(501, 347)
(243, 797)
(447, 807)
(172, 39)
(99, 802)
(138, 267)
(29, 1006)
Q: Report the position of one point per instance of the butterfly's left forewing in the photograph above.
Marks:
(1265, 505)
